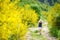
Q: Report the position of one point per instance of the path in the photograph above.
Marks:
(45, 34)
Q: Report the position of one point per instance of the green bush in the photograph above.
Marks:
(54, 32)
(58, 35)
(54, 20)
(36, 8)
(36, 31)
(57, 22)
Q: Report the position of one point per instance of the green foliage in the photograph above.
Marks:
(58, 35)
(54, 20)
(54, 32)
(57, 22)
(12, 37)
(24, 2)
(37, 9)
(35, 5)
(36, 31)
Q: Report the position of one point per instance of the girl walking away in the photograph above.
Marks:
(40, 26)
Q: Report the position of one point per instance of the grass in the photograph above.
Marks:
(36, 36)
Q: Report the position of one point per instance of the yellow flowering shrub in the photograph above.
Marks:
(14, 20)
(54, 20)
(53, 13)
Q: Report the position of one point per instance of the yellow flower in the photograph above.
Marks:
(13, 16)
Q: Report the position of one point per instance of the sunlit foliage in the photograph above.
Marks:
(54, 20)
(53, 13)
(15, 20)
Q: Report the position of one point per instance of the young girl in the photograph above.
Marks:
(40, 26)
